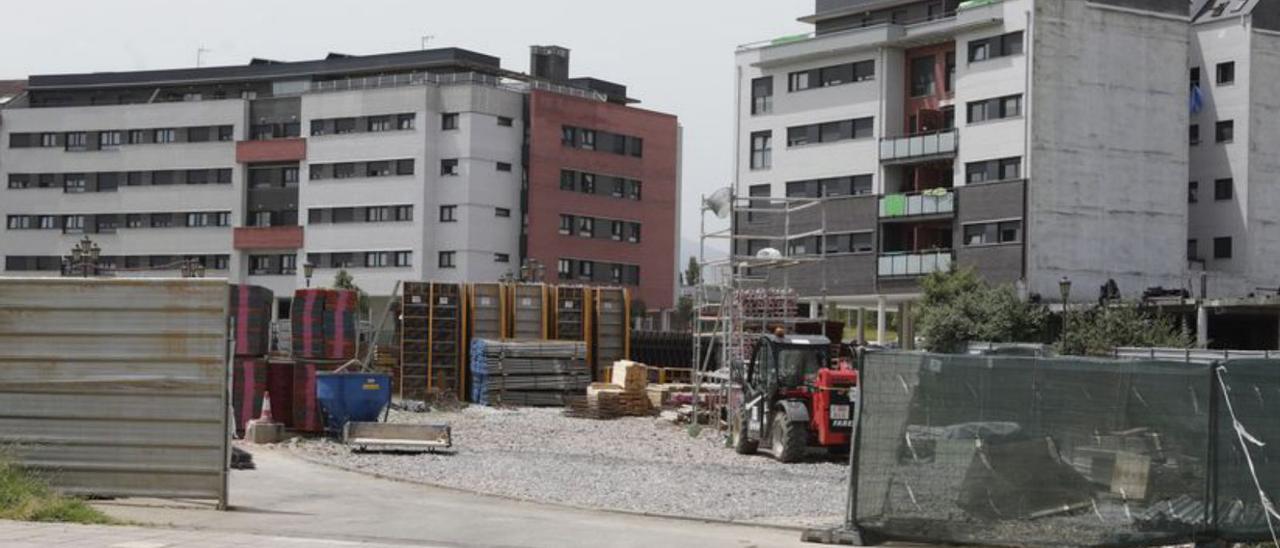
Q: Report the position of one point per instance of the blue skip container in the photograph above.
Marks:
(346, 397)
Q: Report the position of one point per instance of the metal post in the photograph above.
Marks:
(881, 315)
(862, 326)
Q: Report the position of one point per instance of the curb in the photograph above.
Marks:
(636, 513)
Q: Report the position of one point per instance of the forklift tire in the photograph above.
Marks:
(790, 439)
(742, 442)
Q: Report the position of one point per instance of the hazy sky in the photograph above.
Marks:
(674, 55)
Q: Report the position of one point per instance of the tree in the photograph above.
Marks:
(344, 280)
(1098, 331)
(693, 273)
(958, 308)
(684, 310)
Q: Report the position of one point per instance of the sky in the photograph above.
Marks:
(676, 56)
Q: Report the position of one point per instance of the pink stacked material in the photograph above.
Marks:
(250, 311)
(324, 324)
(249, 382)
(305, 408)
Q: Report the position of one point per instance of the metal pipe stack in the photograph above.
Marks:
(527, 373)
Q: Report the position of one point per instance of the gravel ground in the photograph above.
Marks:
(633, 464)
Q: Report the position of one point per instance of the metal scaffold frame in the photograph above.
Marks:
(734, 300)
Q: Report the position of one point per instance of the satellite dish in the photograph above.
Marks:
(769, 253)
(718, 202)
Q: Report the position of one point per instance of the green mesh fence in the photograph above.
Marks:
(1018, 451)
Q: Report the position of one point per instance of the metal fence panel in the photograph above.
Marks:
(117, 387)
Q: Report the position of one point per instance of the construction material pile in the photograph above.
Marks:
(527, 373)
(250, 310)
(324, 324)
(624, 396)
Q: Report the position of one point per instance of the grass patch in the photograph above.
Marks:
(25, 496)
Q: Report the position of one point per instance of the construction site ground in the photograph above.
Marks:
(637, 464)
(288, 501)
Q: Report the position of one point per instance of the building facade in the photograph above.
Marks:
(403, 166)
(1031, 140)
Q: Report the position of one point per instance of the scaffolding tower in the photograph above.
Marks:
(737, 298)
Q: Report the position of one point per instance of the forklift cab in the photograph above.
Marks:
(784, 363)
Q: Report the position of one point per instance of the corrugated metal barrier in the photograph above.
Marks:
(117, 387)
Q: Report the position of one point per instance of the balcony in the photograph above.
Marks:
(267, 237)
(897, 150)
(914, 264)
(275, 150)
(930, 202)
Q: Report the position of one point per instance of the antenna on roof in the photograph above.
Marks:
(427, 38)
(200, 51)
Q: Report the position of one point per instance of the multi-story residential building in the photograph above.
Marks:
(1029, 139)
(401, 166)
(1235, 133)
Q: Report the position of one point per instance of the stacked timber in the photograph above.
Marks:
(527, 373)
(624, 396)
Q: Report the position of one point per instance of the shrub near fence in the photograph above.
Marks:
(1016, 451)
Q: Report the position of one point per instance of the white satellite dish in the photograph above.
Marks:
(718, 202)
(769, 253)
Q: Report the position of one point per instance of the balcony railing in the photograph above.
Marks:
(919, 146)
(914, 264)
(910, 205)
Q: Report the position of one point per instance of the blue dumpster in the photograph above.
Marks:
(345, 397)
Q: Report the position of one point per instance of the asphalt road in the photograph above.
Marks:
(289, 497)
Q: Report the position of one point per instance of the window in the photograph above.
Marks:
(588, 181)
(77, 140)
(799, 81)
(222, 218)
(73, 223)
(1193, 192)
(586, 269)
(635, 147)
(1004, 232)
(505, 121)
(257, 218)
(260, 264)
(1193, 250)
(1225, 131)
(996, 46)
(318, 128)
(197, 177)
(569, 136)
(345, 170)
(501, 258)
(48, 140)
(566, 224)
(762, 95)
(504, 166)
(586, 227)
(403, 258)
(633, 190)
(501, 212)
(1222, 189)
(1194, 134)
(379, 123)
(564, 268)
(762, 150)
(448, 213)
(615, 230)
(758, 191)
(288, 264)
(588, 139)
(224, 133)
(405, 121)
(19, 222)
(828, 132)
(568, 179)
(403, 213)
(224, 175)
(633, 233)
(108, 139)
(1226, 73)
(377, 214)
(1195, 76)
(922, 76)
(73, 183)
(1005, 169)
(48, 222)
(449, 167)
(344, 125)
(447, 259)
(377, 259)
(949, 83)
(197, 219)
(165, 135)
(404, 167)
(995, 109)
(449, 121)
(288, 174)
(615, 273)
(378, 169)
(1222, 248)
(197, 134)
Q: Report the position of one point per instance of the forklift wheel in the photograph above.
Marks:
(790, 439)
(742, 442)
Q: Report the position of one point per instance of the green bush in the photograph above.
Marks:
(26, 497)
(958, 307)
(1098, 331)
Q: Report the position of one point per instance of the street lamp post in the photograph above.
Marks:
(1064, 286)
(307, 270)
(84, 256)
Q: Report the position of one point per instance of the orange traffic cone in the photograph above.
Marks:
(266, 408)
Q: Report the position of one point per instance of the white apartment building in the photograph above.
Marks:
(1234, 230)
(403, 166)
(1033, 140)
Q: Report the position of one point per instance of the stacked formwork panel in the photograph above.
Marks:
(249, 308)
(488, 311)
(571, 314)
(431, 342)
(323, 326)
(529, 310)
(609, 328)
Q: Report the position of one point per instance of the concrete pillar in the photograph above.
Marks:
(1202, 326)
(861, 336)
(813, 310)
(907, 328)
(881, 303)
(902, 326)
